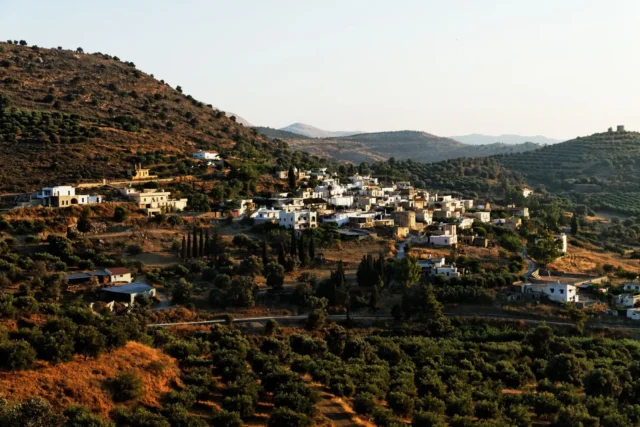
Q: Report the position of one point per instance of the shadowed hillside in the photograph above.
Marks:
(607, 158)
(418, 146)
(67, 116)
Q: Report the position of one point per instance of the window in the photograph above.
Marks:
(561, 291)
(552, 290)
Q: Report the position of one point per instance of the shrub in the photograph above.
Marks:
(364, 403)
(400, 403)
(126, 386)
(134, 249)
(427, 419)
(226, 419)
(16, 355)
(242, 404)
(284, 417)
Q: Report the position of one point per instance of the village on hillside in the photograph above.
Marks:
(360, 208)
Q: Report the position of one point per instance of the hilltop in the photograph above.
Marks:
(604, 159)
(67, 116)
(415, 145)
(479, 139)
(314, 132)
(598, 170)
(278, 133)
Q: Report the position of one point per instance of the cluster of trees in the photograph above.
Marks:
(199, 244)
(42, 127)
(71, 330)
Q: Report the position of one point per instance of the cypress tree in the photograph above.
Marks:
(575, 225)
(265, 253)
(340, 278)
(312, 249)
(207, 243)
(183, 249)
(292, 245)
(213, 245)
(281, 258)
(194, 243)
(374, 298)
(291, 177)
(189, 247)
(301, 255)
(201, 244)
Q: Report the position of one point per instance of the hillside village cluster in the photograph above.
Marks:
(359, 208)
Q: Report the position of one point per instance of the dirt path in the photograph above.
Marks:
(336, 410)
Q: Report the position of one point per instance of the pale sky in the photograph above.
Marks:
(559, 68)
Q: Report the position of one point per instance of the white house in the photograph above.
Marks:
(63, 195)
(344, 201)
(633, 313)
(631, 286)
(61, 190)
(299, 219)
(339, 218)
(444, 240)
(627, 300)
(465, 223)
(154, 201)
(558, 292)
(264, 215)
(206, 155)
(119, 275)
(526, 192)
(562, 238)
(448, 271)
(481, 216)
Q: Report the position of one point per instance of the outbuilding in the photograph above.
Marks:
(127, 293)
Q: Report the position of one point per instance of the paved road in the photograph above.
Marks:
(342, 317)
(531, 266)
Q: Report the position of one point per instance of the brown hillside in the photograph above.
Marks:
(72, 116)
(83, 382)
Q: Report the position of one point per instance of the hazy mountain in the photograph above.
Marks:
(278, 133)
(244, 122)
(477, 139)
(414, 145)
(314, 132)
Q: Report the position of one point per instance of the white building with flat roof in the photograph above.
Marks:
(299, 219)
(156, 201)
(206, 155)
(557, 292)
(443, 240)
(264, 215)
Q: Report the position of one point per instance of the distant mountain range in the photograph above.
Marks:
(402, 145)
(314, 132)
(479, 139)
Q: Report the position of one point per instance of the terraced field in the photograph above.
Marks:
(603, 159)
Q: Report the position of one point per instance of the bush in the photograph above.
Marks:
(284, 417)
(16, 355)
(126, 386)
(242, 404)
(364, 403)
(119, 214)
(226, 419)
(400, 403)
(427, 419)
(134, 249)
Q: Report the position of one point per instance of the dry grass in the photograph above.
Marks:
(83, 382)
(584, 260)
